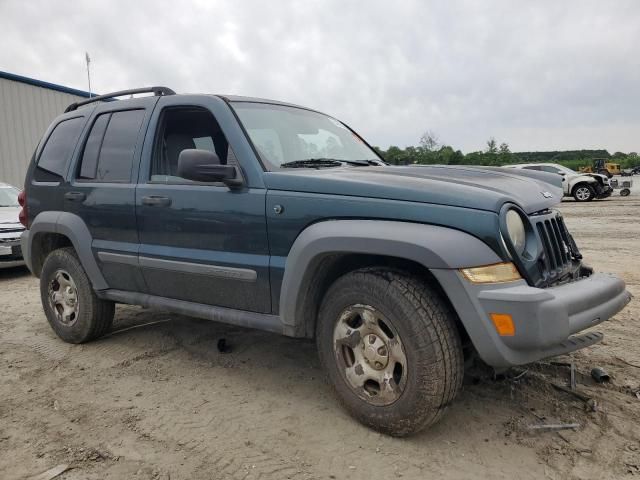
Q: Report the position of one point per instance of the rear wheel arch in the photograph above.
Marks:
(53, 230)
(42, 244)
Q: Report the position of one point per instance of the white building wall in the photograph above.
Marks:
(25, 113)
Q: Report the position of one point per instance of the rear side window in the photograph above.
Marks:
(56, 153)
(89, 164)
(108, 152)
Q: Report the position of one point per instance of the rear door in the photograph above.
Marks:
(102, 187)
(200, 242)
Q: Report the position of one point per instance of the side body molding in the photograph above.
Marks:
(432, 246)
(74, 228)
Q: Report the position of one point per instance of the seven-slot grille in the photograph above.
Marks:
(558, 246)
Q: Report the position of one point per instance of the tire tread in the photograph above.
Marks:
(435, 332)
(100, 312)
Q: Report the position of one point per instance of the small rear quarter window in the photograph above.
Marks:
(56, 153)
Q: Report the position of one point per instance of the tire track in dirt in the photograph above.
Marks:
(222, 434)
(107, 352)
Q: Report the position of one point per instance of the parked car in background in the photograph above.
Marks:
(584, 187)
(10, 227)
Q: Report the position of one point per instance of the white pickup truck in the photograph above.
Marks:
(584, 187)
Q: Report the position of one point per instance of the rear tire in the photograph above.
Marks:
(625, 192)
(583, 193)
(72, 308)
(390, 348)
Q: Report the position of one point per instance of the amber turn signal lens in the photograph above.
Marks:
(504, 324)
(497, 273)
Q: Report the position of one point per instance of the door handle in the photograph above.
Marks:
(75, 196)
(156, 201)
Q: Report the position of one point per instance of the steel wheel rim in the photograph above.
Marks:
(63, 297)
(370, 355)
(582, 193)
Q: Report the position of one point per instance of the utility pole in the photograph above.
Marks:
(88, 60)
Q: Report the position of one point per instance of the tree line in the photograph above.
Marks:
(431, 151)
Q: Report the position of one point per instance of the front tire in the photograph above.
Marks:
(391, 349)
(71, 306)
(583, 193)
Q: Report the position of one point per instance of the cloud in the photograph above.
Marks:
(539, 75)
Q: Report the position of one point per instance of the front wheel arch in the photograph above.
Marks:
(327, 249)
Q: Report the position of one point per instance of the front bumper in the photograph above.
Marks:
(10, 250)
(604, 192)
(546, 320)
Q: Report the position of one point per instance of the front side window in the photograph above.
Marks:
(56, 153)
(183, 128)
(283, 134)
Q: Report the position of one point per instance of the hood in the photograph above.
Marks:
(601, 178)
(9, 218)
(484, 188)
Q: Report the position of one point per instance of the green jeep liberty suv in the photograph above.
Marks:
(273, 216)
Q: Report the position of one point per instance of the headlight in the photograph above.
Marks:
(515, 230)
(497, 273)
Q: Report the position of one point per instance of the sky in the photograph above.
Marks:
(543, 75)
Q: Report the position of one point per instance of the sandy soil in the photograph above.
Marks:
(160, 401)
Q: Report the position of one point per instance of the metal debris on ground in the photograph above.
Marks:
(554, 426)
(588, 401)
(599, 375)
(572, 372)
(223, 347)
(520, 375)
(628, 363)
(52, 472)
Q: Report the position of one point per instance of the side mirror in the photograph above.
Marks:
(204, 166)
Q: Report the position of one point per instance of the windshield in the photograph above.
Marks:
(8, 197)
(284, 134)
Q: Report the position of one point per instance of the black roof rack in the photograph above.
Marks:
(157, 91)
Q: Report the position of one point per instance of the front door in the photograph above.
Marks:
(199, 242)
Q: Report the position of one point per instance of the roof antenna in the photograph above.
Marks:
(88, 60)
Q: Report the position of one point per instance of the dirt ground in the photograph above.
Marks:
(159, 401)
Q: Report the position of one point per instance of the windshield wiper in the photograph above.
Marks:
(324, 162)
